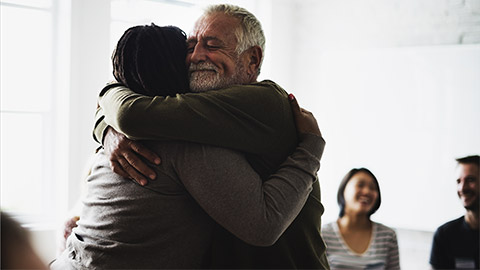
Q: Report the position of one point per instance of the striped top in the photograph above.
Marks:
(382, 252)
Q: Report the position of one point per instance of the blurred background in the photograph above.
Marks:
(394, 85)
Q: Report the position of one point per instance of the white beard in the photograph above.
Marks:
(208, 78)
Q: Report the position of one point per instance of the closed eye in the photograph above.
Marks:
(470, 179)
(211, 47)
(191, 43)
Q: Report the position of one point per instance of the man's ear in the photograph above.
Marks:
(254, 58)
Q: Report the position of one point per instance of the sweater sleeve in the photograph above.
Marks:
(234, 196)
(253, 118)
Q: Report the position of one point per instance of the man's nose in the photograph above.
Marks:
(461, 186)
(198, 54)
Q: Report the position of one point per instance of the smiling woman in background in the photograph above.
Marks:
(354, 241)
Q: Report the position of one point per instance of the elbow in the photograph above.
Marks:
(263, 238)
(263, 241)
(268, 241)
(263, 230)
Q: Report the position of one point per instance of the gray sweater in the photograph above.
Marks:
(169, 222)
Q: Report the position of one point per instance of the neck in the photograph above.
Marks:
(471, 217)
(253, 79)
(355, 221)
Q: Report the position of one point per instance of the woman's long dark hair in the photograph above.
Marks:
(150, 60)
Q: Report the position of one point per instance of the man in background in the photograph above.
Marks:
(456, 243)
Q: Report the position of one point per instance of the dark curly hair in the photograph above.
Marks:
(150, 60)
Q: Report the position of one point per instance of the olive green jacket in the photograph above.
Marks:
(255, 119)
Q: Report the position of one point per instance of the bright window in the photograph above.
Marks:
(128, 13)
(26, 106)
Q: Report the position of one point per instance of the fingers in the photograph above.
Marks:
(69, 225)
(126, 157)
(133, 161)
(305, 111)
(296, 109)
(304, 119)
(145, 152)
(294, 104)
(130, 171)
(117, 168)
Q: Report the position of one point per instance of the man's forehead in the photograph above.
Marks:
(468, 169)
(194, 39)
(215, 26)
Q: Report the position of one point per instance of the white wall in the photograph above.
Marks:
(405, 113)
(395, 86)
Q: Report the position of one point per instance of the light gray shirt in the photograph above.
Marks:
(382, 251)
(169, 222)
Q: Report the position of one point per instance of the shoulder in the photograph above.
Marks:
(382, 227)
(329, 228)
(329, 225)
(330, 236)
(383, 230)
(264, 87)
(385, 237)
(268, 83)
(272, 85)
(452, 225)
(254, 93)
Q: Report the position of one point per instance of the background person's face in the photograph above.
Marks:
(212, 60)
(360, 194)
(467, 185)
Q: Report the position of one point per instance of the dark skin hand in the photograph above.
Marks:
(126, 155)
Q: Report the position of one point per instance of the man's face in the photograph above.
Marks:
(467, 185)
(212, 60)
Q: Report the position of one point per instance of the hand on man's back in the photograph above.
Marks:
(126, 157)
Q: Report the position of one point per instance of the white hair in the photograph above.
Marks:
(249, 33)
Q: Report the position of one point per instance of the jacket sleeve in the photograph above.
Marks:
(253, 118)
(230, 191)
(100, 127)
